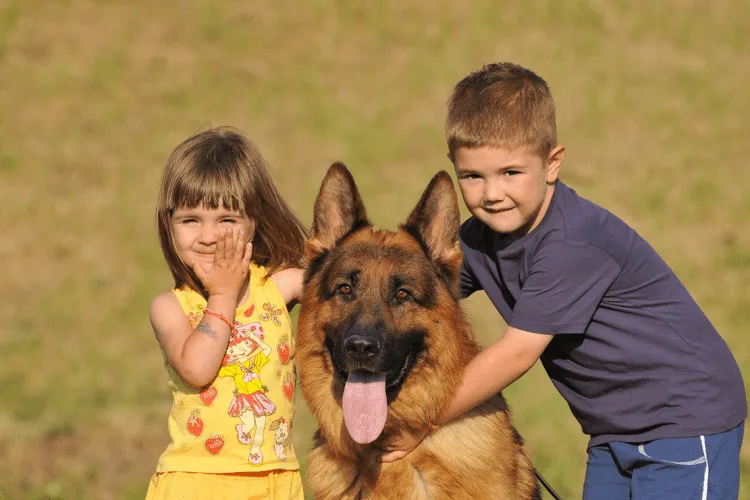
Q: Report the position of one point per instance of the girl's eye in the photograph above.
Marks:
(401, 294)
(229, 221)
(344, 289)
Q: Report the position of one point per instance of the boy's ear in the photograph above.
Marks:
(338, 211)
(554, 162)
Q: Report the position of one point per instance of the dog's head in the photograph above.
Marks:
(380, 311)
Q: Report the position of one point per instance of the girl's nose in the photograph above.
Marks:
(208, 234)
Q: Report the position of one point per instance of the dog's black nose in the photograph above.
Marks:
(361, 348)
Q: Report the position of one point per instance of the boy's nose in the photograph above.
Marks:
(493, 192)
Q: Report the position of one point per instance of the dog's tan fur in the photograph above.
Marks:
(476, 456)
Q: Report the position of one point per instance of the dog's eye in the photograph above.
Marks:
(344, 289)
(401, 294)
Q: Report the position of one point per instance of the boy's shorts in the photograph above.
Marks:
(700, 468)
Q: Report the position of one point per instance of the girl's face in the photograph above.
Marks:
(196, 230)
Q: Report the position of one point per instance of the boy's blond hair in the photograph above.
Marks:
(502, 105)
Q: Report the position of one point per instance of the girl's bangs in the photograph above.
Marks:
(209, 191)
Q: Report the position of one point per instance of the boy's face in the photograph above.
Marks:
(509, 190)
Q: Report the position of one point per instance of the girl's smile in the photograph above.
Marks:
(196, 230)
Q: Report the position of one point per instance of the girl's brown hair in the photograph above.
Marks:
(221, 165)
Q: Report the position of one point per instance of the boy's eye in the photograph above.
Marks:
(512, 172)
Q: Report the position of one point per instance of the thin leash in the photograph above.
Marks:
(546, 485)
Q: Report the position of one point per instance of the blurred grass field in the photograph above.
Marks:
(652, 105)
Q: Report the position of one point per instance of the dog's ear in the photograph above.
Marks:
(338, 211)
(435, 221)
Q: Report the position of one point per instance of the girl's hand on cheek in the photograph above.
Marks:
(229, 270)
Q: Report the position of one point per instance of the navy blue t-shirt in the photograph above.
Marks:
(633, 354)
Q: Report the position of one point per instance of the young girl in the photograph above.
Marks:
(233, 246)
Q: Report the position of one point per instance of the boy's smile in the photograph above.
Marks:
(509, 190)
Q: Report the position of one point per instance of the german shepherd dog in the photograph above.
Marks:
(381, 346)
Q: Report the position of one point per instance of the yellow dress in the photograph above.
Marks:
(232, 439)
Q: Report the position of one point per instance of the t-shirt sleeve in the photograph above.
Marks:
(468, 282)
(565, 286)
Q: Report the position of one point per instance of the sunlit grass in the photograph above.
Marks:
(93, 96)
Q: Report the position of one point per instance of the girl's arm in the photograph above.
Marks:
(196, 354)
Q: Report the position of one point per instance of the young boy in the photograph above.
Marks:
(643, 370)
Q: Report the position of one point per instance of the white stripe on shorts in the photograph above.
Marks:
(697, 461)
(705, 474)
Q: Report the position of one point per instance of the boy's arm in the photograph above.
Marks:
(495, 368)
(491, 371)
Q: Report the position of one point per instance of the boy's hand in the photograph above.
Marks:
(400, 445)
(229, 269)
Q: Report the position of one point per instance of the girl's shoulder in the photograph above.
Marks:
(167, 313)
(289, 283)
(164, 301)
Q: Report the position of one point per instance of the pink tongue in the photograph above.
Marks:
(365, 406)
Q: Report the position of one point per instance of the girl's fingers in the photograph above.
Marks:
(239, 247)
(220, 246)
(229, 245)
(246, 256)
(198, 271)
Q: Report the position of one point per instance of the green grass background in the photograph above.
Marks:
(652, 104)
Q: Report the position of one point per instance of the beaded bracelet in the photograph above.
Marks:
(215, 314)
